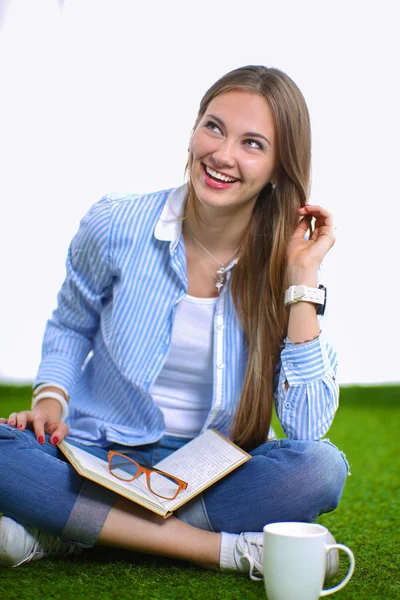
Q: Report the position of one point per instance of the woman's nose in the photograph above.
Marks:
(223, 155)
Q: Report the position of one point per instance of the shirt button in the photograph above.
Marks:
(220, 366)
(290, 365)
(220, 325)
(287, 405)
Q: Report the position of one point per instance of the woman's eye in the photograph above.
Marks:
(213, 126)
(253, 144)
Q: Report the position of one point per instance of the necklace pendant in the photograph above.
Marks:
(221, 271)
(220, 279)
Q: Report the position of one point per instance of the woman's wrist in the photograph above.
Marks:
(298, 276)
(50, 406)
(303, 324)
(54, 394)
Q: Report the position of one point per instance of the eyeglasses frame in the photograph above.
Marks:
(182, 485)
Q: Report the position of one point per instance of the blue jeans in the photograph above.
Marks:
(286, 480)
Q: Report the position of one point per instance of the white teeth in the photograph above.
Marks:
(217, 175)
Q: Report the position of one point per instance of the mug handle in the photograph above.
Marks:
(349, 573)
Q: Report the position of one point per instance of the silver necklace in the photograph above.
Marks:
(220, 275)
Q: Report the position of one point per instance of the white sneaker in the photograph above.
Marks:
(249, 553)
(22, 543)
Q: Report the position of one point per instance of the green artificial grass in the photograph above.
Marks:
(366, 429)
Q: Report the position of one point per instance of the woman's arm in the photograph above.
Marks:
(87, 286)
(305, 256)
(306, 392)
(306, 396)
(70, 331)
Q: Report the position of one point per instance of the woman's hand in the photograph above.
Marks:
(306, 255)
(44, 418)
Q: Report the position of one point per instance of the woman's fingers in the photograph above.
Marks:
(314, 208)
(304, 250)
(322, 216)
(23, 418)
(324, 230)
(12, 419)
(41, 424)
(302, 227)
(57, 430)
(19, 419)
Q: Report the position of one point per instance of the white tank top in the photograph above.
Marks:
(183, 390)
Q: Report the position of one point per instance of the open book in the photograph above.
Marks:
(200, 463)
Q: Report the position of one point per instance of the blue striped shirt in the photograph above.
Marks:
(109, 336)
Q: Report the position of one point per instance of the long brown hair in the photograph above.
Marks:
(259, 281)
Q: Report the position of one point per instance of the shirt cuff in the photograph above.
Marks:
(60, 369)
(305, 363)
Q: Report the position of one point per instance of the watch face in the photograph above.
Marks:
(321, 307)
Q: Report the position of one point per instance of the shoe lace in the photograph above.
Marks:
(46, 544)
(252, 550)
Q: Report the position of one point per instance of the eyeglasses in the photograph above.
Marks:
(159, 483)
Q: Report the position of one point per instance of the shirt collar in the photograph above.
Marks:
(169, 225)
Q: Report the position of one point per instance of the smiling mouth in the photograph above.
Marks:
(219, 176)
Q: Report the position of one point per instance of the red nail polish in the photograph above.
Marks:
(40, 439)
(20, 426)
(54, 441)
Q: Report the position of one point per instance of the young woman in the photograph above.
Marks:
(175, 317)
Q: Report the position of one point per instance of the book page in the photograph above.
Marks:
(99, 469)
(202, 461)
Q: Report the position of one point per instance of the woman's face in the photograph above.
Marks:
(233, 150)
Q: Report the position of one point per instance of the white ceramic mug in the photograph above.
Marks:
(295, 561)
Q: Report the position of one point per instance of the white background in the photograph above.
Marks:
(101, 96)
